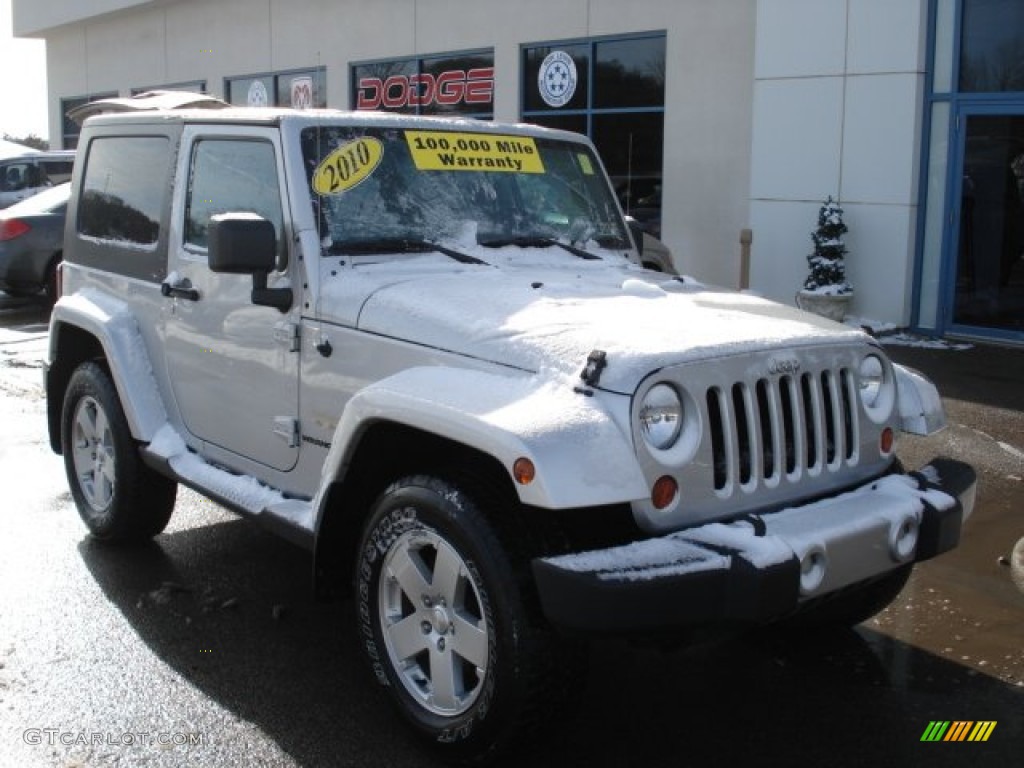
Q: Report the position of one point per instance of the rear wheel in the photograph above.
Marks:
(118, 497)
(446, 623)
(50, 288)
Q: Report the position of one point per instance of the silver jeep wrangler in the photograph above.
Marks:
(424, 350)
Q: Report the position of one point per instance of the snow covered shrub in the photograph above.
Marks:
(828, 272)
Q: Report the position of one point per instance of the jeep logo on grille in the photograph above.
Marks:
(783, 365)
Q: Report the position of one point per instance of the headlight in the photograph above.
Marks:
(661, 417)
(877, 388)
(872, 378)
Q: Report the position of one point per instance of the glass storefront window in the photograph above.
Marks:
(446, 84)
(384, 85)
(574, 123)
(990, 267)
(630, 73)
(612, 90)
(196, 86)
(70, 129)
(992, 46)
(565, 70)
(301, 89)
(631, 147)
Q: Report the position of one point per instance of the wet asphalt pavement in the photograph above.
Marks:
(206, 647)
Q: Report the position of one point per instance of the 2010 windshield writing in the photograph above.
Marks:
(460, 189)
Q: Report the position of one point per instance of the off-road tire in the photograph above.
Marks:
(517, 674)
(118, 497)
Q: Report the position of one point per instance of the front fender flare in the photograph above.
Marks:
(581, 456)
(918, 401)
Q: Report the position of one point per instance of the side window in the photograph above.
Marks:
(123, 190)
(15, 177)
(231, 176)
(56, 171)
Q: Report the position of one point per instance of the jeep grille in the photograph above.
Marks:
(781, 427)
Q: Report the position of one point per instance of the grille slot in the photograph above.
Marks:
(781, 427)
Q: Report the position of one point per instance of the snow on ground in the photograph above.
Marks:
(22, 349)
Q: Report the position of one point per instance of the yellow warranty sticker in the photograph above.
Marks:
(347, 166)
(449, 151)
(585, 165)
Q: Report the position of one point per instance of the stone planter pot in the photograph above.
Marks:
(1017, 565)
(834, 307)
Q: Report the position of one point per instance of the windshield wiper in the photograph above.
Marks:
(525, 241)
(400, 245)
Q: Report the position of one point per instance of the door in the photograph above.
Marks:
(233, 366)
(986, 274)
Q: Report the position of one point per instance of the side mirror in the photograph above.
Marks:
(244, 243)
(638, 234)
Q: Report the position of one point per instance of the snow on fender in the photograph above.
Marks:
(581, 455)
(919, 404)
(116, 328)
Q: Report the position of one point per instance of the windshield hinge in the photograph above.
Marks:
(596, 362)
(287, 429)
(287, 333)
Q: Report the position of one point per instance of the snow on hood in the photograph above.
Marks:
(542, 318)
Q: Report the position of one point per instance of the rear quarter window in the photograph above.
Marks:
(123, 188)
(118, 214)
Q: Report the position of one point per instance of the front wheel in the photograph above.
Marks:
(445, 623)
(118, 497)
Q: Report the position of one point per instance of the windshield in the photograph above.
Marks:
(391, 189)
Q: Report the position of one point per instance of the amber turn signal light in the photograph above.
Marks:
(524, 471)
(664, 491)
(885, 442)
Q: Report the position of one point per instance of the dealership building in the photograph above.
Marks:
(712, 116)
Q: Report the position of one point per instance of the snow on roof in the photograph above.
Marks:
(148, 101)
(13, 149)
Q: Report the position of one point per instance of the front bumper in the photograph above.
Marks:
(760, 568)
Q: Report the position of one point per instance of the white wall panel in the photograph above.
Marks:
(887, 36)
(883, 121)
(800, 38)
(782, 240)
(880, 261)
(797, 138)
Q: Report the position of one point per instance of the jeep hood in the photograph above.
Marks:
(551, 320)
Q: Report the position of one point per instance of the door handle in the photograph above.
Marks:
(180, 290)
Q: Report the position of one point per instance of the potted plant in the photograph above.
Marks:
(826, 291)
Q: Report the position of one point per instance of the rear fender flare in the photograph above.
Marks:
(113, 325)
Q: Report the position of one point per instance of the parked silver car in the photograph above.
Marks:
(31, 242)
(26, 175)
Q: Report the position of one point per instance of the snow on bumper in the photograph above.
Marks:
(760, 568)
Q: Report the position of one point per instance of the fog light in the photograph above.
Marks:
(524, 471)
(903, 539)
(812, 570)
(885, 442)
(664, 491)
